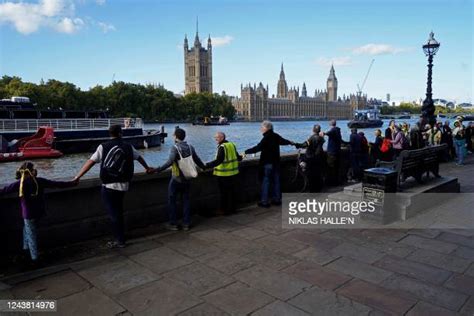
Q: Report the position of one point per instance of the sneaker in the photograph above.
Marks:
(172, 227)
(264, 205)
(115, 245)
(186, 227)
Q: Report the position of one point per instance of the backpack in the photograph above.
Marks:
(386, 145)
(117, 164)
(186, 164)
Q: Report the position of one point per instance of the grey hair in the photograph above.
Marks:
(221, 133)
(332, 123)
(267, 124)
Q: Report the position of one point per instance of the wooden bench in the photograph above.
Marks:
(414, 163)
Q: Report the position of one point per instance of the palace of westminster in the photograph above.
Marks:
(255, 104)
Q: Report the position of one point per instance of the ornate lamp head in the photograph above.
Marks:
(432, 46)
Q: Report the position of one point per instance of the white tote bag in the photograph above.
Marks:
(186, 164)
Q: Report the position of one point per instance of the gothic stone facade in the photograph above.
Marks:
(197, 66)
(255, 105)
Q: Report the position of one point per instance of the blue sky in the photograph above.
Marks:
(88, 41)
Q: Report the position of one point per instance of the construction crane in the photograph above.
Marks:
(360, 88)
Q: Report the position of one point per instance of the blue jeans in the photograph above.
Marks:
(29, 237)
(270, 174)
(174, 188)
(459, 145)
(113, 202)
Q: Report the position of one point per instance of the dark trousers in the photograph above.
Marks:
(174, 189)
(333, 169)
(271, 178)
(356, 166)
(314, 174)
(227, 191)
(113, 202)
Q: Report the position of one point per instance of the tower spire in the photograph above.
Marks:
(196, 39)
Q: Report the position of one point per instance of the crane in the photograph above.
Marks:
(360, 88)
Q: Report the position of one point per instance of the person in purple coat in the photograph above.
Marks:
(30, 189)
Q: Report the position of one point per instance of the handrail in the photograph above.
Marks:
(68, 124)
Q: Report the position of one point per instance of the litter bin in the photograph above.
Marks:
(377, 182)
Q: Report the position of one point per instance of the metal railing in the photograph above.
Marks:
(68, 124)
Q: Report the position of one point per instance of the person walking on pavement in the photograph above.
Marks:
(116, 171)
(269, 164)
(226, 170)
(179, 183)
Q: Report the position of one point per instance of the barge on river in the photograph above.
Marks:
(74, 131)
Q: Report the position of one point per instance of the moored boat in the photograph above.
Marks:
(36, 146)
(365, 119)
(209, 121)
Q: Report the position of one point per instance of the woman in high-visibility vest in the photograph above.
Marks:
(226, 169)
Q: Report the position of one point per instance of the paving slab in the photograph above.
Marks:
(190, 246)
(160, 297)
(279, 308)
(318, 275)
(426, 309)
(361, 253)
(238, 299)
(435, 295)
(204, 309)
(439, 260)
(198, 278)
(461, 283)
(359, 269)
(317, 301)
(52, 286)
(279, 285)
(464, 252)
(313, 238)
(280, 244)
(413, 269)
(271, 259)
(249, 233)
(226, 262)
(90, 302)
(470, 270)
(118, 276)
(316, 255)
(429, 244)
(468, 308)
(457, 239)
(161, 260)
(376, 296)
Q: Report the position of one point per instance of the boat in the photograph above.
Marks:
(74, 131)
(365, 119)
(209, 121)
(39, 145)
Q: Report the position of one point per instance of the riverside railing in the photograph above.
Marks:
(68, 124)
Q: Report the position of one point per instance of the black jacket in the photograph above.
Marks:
(270, 148)
(314, 147)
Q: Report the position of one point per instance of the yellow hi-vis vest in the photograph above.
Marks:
(230, 165)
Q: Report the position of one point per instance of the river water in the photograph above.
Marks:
(243, 134)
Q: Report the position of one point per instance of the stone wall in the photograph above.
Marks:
(77, 214)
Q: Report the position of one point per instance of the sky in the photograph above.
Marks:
(93, 42)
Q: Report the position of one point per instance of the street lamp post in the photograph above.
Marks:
(428, 109)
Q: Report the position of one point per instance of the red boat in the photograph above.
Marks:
(39, 145)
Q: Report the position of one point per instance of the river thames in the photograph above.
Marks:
(243, 134)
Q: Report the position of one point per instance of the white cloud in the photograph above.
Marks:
(59, 15)
(336, 61)
(378, 49)
(100, 2)
(106, 27)
(69, 26)
(222, 41)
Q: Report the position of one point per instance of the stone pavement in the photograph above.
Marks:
(247, 264)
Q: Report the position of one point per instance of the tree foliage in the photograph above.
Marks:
(120, 98)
